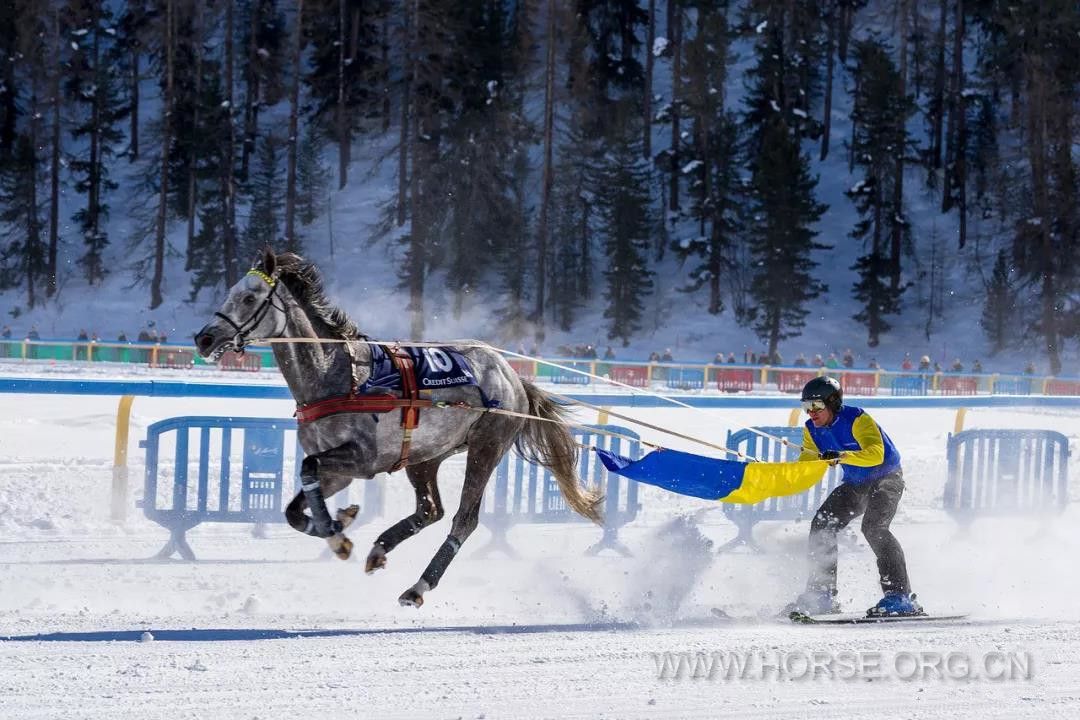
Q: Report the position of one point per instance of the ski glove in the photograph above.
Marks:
(829, 455)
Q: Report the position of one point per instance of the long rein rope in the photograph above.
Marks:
(502, 411)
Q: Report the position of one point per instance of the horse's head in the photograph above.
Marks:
(253, 310)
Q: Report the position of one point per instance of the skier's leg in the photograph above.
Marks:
(843, 504)
(881, 505)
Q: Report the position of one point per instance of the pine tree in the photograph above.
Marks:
(879, 114)
(999, 316)
(312, 178)
(94, 88)
(22, 256)
(626, 224)
(267, 204)
(781, 236)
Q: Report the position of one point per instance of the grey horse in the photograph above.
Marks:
(282, 297)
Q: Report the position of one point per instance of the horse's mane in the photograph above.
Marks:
(305, 283)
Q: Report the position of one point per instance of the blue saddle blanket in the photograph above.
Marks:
(436, 368)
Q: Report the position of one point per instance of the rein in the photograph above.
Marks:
(240, 338)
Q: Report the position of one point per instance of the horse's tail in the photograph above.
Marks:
(551, 445)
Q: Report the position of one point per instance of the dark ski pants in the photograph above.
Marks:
(876, 501)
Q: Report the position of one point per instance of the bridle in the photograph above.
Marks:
(240, 338)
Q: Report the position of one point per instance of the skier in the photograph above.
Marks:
(872, 485)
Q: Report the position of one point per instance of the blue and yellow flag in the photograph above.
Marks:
(713, 479)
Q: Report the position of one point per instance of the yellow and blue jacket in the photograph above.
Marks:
(868, 453)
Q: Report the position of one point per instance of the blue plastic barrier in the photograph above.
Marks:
(525, 493)
(247, 485)
(685, 379)
(792, 507)
(564, 377)
(1006, 472)
(907, 385)
(1012, 386)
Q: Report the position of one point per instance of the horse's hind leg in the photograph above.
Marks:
(483, 457)
(429, 509)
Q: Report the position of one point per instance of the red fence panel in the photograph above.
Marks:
(240, 362)
(1063, 387)
(959, 385)
(735, 379)
(793, 380)
(526, 369)
(172, 358)
(859, 383)
(635, 375)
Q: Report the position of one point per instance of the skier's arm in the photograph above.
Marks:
(871, 444)
(810, 449)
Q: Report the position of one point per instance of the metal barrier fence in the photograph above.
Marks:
(790, 508)
(226, 470)
(525, 493)
(1006, 472)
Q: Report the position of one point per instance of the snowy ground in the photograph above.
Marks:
(263, 628)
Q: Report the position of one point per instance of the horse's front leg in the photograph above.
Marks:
(429, 509)
(317, 482)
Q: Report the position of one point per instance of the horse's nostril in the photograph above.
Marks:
(203, 341)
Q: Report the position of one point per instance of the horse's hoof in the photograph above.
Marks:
(341, 546)
(345, 516)
(376, 560)
(411, 598)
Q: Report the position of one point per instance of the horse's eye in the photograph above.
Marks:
(249, 299)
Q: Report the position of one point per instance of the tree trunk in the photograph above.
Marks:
(675, 31)
(404, 135)
(54, 159)
(291, 242)
(646, 114)
(831, 20)
(896, 228)
(192, 189)
(938, 102)
(547, 179)
(251, 98)
(133, 92)
(156, 297)
(339, 118)
(228, 174)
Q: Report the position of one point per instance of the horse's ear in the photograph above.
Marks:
(269, 261)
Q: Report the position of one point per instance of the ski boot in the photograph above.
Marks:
(810, 603)
(896, 604)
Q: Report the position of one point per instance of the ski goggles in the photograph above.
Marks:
(813, 406)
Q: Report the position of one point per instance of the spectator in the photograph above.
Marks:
(752, 359)
(33, 334)
(849, 359)
(654, 356)
(667, 356)
(763, 357)
(748, 357)
(122, 337)
(1029, 369)
(718, 358)
(818, 362)
(143, 336)
(609, 354)
(906, 364)
(924, 364)
(777, 358)
(976, 367)
(83, 335)
(590, 353)
(800, 360)
(6, 334)
(937, 366)
(832, 363)
(731, 358)
(873, 364)
(957, 366)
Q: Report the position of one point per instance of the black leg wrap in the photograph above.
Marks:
(399, 531)
(441, 561)
(320, 524)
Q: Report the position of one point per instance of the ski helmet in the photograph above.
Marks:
(825, 389)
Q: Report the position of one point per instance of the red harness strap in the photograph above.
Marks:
(410, 403)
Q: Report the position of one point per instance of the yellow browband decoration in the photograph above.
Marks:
(260, 274)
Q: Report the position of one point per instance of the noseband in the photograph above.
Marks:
(240, 338)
